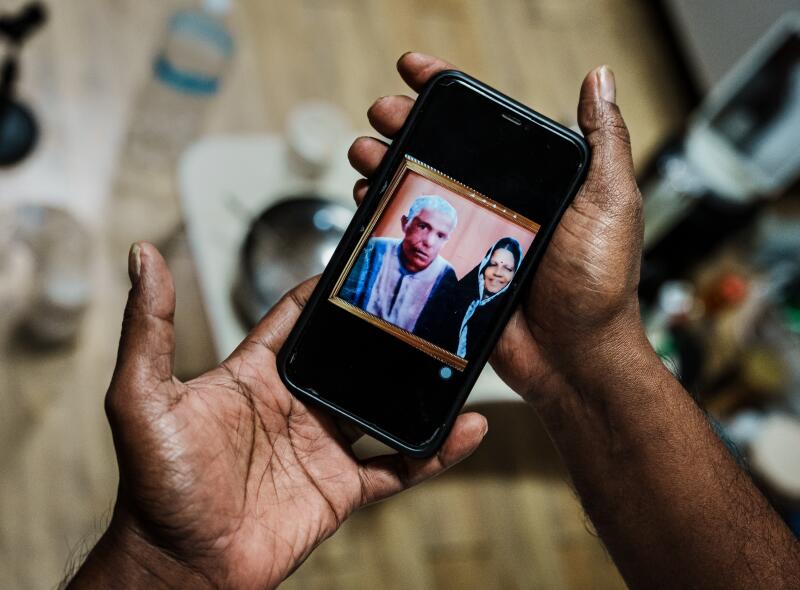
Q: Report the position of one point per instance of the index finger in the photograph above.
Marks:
(417, 68)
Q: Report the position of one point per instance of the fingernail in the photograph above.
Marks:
(606, 84)
(485, 429)
(135, 263)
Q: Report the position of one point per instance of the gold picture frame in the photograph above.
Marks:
(411, 164)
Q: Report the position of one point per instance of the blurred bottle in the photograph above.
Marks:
(167, 117)
(62, 288)
(669, 328)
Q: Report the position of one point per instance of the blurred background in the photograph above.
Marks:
(218, 130)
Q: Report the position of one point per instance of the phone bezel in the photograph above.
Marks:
(359, 225)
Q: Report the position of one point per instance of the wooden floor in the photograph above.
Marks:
(504, 519)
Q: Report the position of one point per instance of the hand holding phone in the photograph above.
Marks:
(238, 424)
(581, 312)
(466, 153)
(232, 464)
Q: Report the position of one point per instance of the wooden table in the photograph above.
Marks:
(507, 518)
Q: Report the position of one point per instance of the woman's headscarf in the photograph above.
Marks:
(512, 246)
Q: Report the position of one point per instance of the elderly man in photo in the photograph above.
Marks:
(392, 278)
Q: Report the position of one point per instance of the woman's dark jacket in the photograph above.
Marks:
(440, 320)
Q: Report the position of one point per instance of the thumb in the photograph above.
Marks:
(611, 182)
(147, 344)
(386, 475)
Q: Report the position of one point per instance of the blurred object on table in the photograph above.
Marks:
(742, 146)
(288, 243)
(61, 249)
(744, 139)
(713, 34)
(741, 309)
(17, 271)
(769, 441)
(676, 307)
(44, 294)
(169, 115)
(263, 211)
(313, 129)
(734, 307)
(19, 130)
(295, 236)
(774, 457)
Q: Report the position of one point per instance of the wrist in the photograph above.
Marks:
(617, 358)
(124, 558)
(606, 375)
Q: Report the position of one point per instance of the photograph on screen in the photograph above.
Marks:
(434, 264)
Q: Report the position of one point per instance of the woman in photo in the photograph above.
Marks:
(456, 321)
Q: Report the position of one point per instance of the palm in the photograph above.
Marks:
(229, 471)
(250, 461)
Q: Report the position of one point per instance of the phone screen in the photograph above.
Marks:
(414, 304)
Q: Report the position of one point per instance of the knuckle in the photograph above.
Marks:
(614, 198)
(616, 130)
(298, 297)
(612, 131)
(606, 124)
(609, 177)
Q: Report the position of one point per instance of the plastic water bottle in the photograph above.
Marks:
(169, 113)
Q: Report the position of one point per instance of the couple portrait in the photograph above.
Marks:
(436, 265)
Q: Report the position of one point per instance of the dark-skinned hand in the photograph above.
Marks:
(581, 314)
(228, 480)
(670, 503)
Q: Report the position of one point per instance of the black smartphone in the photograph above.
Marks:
(428, 272)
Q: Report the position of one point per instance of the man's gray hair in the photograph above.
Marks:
(432, 203)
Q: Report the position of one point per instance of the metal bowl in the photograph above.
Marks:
(288, 243)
